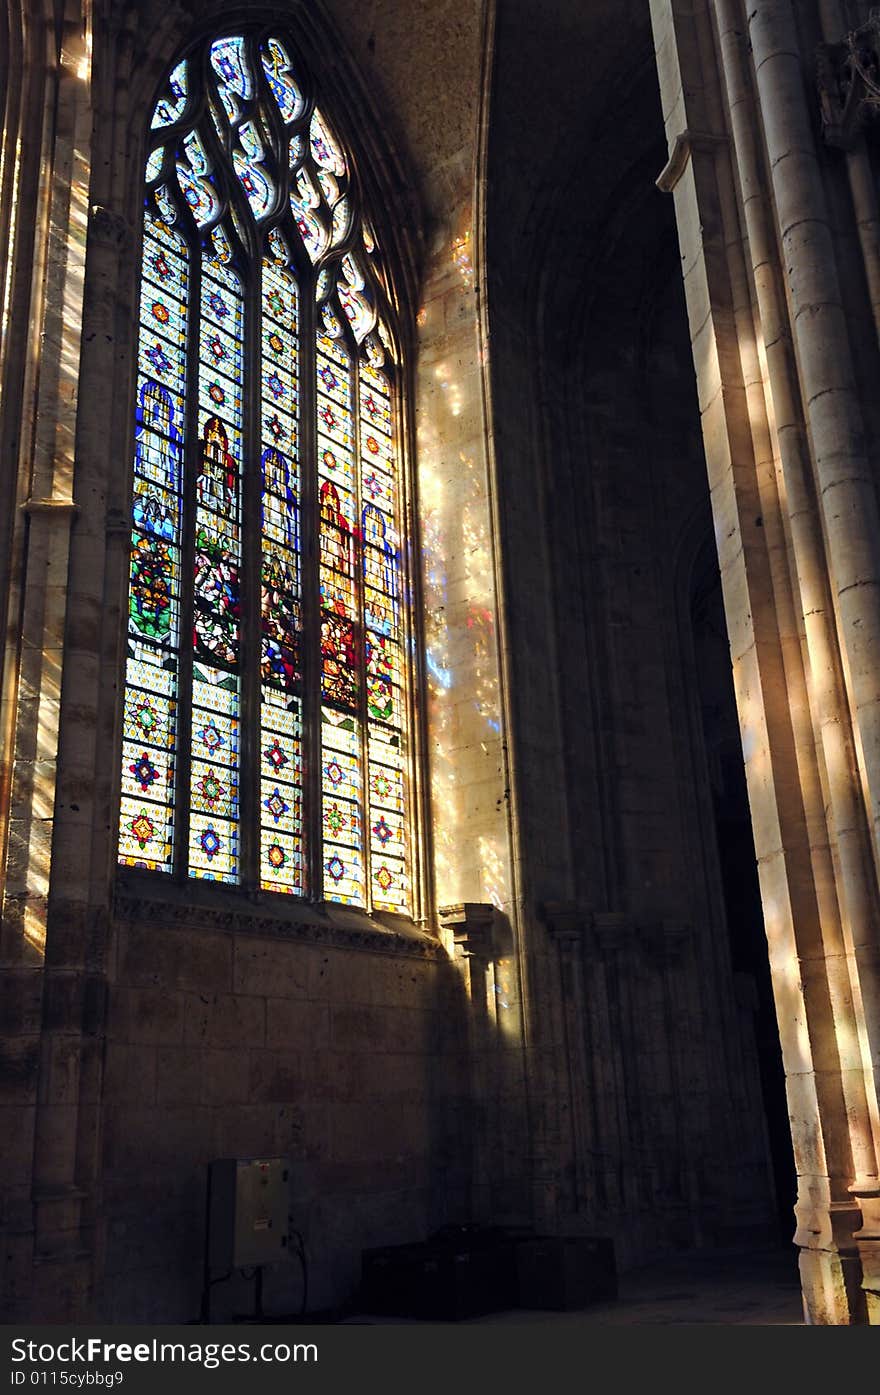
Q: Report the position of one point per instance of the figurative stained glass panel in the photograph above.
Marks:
(146, 829)
(341, 663)
(281, 824)
(214, 778)
(337, 504)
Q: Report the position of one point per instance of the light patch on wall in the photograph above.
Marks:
(469, 809)
(493, 872)
(450, 388)
(10, 242)
(462, 259)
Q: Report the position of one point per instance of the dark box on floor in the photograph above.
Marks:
(466, 1272)
(565, 1272)
(457, 1273)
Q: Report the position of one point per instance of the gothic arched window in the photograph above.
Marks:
(265, 720)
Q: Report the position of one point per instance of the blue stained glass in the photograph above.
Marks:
(195, 154)
(279, 75)
(296, 151)
(154, 164)
(170, 106)
(220, 242)
(324, 148)
(199, 195)
(253, 179)
(278, 247)
(311, 230)
(235, 80)
(165, 205)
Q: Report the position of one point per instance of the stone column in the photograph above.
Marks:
(614, 933)
(41, 417)
(569, 926)
(716, 197)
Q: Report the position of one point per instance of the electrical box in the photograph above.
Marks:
(248, 1211)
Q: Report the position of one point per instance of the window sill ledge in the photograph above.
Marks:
(144, 897)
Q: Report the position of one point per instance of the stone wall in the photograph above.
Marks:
(351, 1062)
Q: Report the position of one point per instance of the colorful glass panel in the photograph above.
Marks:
(235, 81)
(342, 845)
(154, 164)
(146, 827)
(248, 162)
(214, 832)
(281, 813)
(325, 150)
(337, 504)
(385, 690)
(170, 106)
(195, 182)
(279, 74)
(281, 837)
(246, 389)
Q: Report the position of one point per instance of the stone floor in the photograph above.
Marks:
(720, 1287)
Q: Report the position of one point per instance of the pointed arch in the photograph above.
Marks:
(267, 713)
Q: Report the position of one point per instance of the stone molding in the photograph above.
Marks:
(308, 925)
(64, 509)
(471, 923)
(686, 143)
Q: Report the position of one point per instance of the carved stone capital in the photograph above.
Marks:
(59, 510)
(848, 82)
(110, 229)
(471, 924)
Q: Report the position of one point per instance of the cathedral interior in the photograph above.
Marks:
(502, 847)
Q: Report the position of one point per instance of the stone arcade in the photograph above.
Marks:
(641, 422)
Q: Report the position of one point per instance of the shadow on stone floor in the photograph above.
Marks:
(718, 1287)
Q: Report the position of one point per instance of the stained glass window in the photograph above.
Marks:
(266, 739)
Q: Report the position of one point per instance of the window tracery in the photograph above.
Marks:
(265, 730)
